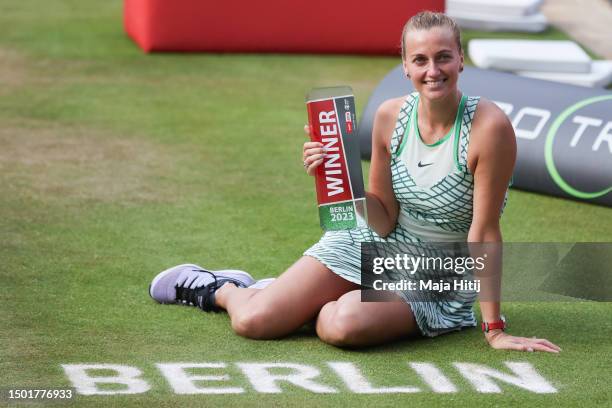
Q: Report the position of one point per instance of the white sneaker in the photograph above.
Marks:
(190, 284)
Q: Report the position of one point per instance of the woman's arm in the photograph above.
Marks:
(491, 158)
(382, 206)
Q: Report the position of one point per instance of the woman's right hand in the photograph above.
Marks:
(314, 154)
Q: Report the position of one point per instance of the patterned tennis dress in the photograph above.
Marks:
(434, 189)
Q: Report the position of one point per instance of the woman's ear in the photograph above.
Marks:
(404, 65)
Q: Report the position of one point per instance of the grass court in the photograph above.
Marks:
(115, 165)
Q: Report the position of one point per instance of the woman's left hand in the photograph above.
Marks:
(501, 340)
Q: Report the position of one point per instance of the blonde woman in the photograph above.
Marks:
(435, 136)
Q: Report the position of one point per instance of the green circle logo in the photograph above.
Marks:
(548, 150)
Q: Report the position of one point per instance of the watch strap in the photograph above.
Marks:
(496, 325)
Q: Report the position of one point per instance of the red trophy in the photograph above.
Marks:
(339, 180)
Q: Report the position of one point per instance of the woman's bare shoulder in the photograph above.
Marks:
(492, 134)
(489, 117)
(390, 108)
(384, 121)
(491, 126)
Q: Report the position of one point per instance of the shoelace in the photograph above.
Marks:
(202, 296)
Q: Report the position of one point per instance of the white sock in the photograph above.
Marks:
(262, 283)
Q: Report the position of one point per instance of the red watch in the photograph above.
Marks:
(499, 324)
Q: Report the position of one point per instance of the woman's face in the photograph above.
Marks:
(433, 62)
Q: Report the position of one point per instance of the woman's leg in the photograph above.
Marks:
(284, 306)
(348, 322)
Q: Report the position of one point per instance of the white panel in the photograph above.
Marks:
(529, 55)
(507, 7)
(599, 77)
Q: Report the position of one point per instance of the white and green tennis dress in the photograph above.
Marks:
(434, 189)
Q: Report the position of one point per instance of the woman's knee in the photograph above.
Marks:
(253, 322)
(339, 325)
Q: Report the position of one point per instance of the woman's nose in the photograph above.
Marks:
(433, 69)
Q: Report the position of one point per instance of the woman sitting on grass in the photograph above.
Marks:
(436, 136)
